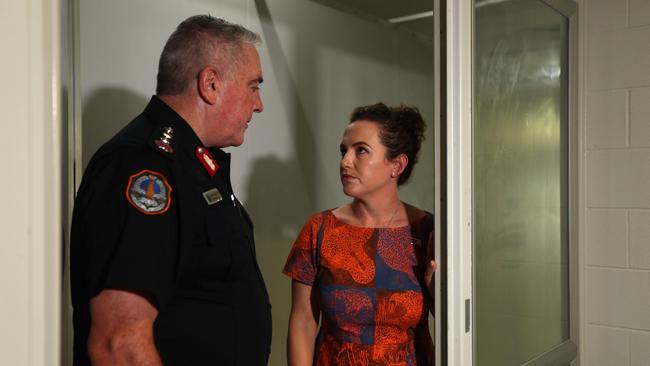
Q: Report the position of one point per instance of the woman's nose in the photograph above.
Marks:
(345, 161)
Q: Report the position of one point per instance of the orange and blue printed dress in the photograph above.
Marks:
(369, 280)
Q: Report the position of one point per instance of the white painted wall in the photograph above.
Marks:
(30, 215)
(616, 182)
(318, 64)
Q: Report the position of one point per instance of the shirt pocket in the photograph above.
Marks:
(207, 259)
(236, 238)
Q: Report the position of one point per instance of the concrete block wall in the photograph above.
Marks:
(616, 190)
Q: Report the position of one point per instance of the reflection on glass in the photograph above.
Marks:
(520, 181)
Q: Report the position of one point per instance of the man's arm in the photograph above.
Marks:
(121, 331)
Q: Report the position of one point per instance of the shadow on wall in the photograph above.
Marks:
(104, 113)
(282, 194)
(278, 206)
(303, 135)
(277, 209)
(273, 198)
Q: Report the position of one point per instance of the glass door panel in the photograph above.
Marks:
(520, 181)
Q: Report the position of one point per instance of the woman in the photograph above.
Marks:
(365, 265)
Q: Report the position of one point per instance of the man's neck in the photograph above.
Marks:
(184, 106)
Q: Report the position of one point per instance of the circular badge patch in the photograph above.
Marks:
(149, 192)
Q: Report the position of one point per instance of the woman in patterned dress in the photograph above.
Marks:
(365, 268)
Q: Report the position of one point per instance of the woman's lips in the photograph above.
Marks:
(347, 177)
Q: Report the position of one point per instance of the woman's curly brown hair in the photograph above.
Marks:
(402, 131)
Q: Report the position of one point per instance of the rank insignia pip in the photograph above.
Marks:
(164, 142)
(149, 192)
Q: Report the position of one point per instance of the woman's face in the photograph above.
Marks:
(364, 167)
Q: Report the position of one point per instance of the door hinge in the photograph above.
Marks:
(467, 315)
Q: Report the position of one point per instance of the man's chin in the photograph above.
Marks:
(238, 142)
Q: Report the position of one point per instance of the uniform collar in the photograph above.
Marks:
(184, 141)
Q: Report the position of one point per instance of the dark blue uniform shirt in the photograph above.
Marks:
(149, 218)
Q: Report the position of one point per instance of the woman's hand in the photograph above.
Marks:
(428, 277)
(431, 267)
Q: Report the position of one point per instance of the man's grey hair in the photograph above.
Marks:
(197, 42)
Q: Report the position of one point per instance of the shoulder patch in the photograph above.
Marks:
(149, 192)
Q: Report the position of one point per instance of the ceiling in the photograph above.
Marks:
(385, 10)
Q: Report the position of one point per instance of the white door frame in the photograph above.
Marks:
(30, 152)
(458, 176)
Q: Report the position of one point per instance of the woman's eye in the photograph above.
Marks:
(343, 151)
(361, 150)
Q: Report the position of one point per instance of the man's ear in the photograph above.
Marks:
(208, 85)
(399, 164)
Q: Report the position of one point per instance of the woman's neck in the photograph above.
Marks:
(386, 211)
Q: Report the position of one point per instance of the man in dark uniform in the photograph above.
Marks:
(163, 258)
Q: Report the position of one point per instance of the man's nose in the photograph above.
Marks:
(259, 105)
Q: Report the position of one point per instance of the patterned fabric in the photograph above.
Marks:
(371, 291)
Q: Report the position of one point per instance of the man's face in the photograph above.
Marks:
(239, 98)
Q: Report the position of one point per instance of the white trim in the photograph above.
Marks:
(581, 103)
(45, 181)
(30, 264)
(72, 166)
(459, 180)
(570, 9)
(411, 17)
(438, 52)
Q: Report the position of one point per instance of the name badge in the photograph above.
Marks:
(212, 196)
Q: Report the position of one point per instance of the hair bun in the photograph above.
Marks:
(409, 120)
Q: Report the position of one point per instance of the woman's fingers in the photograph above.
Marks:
(431, 268)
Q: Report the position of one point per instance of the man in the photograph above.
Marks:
(163, 259)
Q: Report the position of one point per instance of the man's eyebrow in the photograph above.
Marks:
(259, 80)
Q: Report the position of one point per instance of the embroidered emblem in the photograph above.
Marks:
(212, 196)
(164, 143)
(149, 192)
(207, 160)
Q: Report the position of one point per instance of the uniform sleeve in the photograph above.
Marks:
(129, 228)
(301, 264)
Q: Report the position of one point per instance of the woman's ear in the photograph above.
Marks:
(399, 163)
(208, 85)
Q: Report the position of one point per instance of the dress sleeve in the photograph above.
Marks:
(302, 263)
(129, 228)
